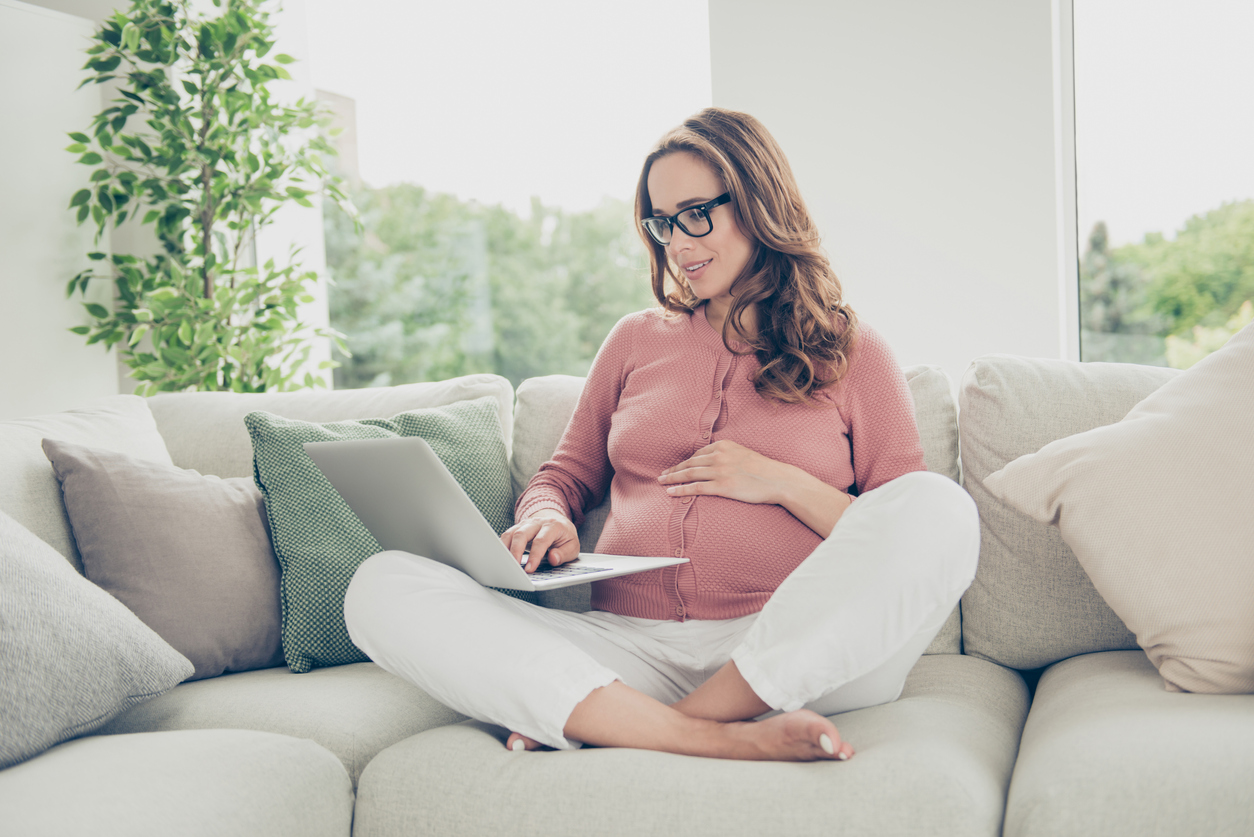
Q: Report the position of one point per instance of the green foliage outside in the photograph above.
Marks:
(1169, 302)
(196, 144)
(434, 287)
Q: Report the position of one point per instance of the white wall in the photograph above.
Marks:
(923, 138)
(44, 367)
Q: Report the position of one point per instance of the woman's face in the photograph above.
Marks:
(711, 263)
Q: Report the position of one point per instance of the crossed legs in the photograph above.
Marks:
(841, 632)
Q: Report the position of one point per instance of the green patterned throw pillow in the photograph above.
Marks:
(317, 538)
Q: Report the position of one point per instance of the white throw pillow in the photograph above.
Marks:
(1159, 510)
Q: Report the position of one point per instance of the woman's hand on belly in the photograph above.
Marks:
(548, 534)
(728, 469)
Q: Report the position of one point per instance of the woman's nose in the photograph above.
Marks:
(680, 240)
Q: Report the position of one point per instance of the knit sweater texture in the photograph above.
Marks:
(662, 387)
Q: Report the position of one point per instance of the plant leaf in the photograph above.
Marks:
(130, 36)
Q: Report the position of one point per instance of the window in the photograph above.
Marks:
(1164, 97)
(493, 149)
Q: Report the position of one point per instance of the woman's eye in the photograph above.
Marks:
(693, 216)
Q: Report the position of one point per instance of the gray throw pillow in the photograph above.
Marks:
(188, 554)
(317, 538)
(71, 655)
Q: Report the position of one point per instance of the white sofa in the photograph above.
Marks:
(1033, 713)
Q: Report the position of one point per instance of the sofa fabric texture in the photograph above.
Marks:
(190, 555)
(1107, 750)
(71, 655)
(320, 542)
(936, 761)
(29, 491)
(1176, 566)
(354, 711)
(210, 783)
(206, 429)
(1031, 603)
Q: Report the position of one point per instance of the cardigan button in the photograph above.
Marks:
(705, 434)
(687, 499)
(679, 553)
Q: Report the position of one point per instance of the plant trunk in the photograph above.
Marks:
(206, 211)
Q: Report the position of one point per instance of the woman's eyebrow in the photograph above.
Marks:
(682, 205)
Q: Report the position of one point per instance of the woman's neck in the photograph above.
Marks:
(717, 311)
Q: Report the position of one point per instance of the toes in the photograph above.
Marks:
(830, 741)
(834, 747)
(518, 743)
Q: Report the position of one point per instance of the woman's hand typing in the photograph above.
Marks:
(728, 469)
(548, 534)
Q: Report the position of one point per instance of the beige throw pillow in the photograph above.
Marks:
(190, 555)
(1159, 510)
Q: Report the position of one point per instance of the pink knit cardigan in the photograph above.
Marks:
(663, 386)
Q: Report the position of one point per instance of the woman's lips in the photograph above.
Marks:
(695, 270)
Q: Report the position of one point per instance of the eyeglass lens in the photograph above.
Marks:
(694, 222)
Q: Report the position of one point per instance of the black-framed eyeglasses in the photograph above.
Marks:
(695, 221)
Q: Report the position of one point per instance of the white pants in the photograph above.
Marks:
(841, 633)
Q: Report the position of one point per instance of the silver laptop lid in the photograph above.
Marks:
(409, 501)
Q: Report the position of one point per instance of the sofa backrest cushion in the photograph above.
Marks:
(545, 406)
(29, 491)
(205, 430)
(1031, 603)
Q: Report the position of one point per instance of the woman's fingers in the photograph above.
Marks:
(725, 469)
(541, 545)
(689, 475)
(517, 537)
(545, 536)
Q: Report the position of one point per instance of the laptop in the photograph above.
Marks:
(409, 501)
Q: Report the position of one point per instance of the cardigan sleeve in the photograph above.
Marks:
(579, 474)
(879, 412)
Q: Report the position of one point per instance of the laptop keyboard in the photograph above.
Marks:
(546, 571)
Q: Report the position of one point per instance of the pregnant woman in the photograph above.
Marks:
(752, 424)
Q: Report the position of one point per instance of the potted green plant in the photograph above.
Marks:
(196, 147)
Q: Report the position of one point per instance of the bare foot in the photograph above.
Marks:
(519, 742)
(616, 715)
(792, 736)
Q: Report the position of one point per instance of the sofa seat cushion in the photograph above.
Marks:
(354, 710)
(1107, 750)
(209, 782)
(935, 762)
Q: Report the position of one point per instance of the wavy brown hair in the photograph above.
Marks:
(805, 331)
